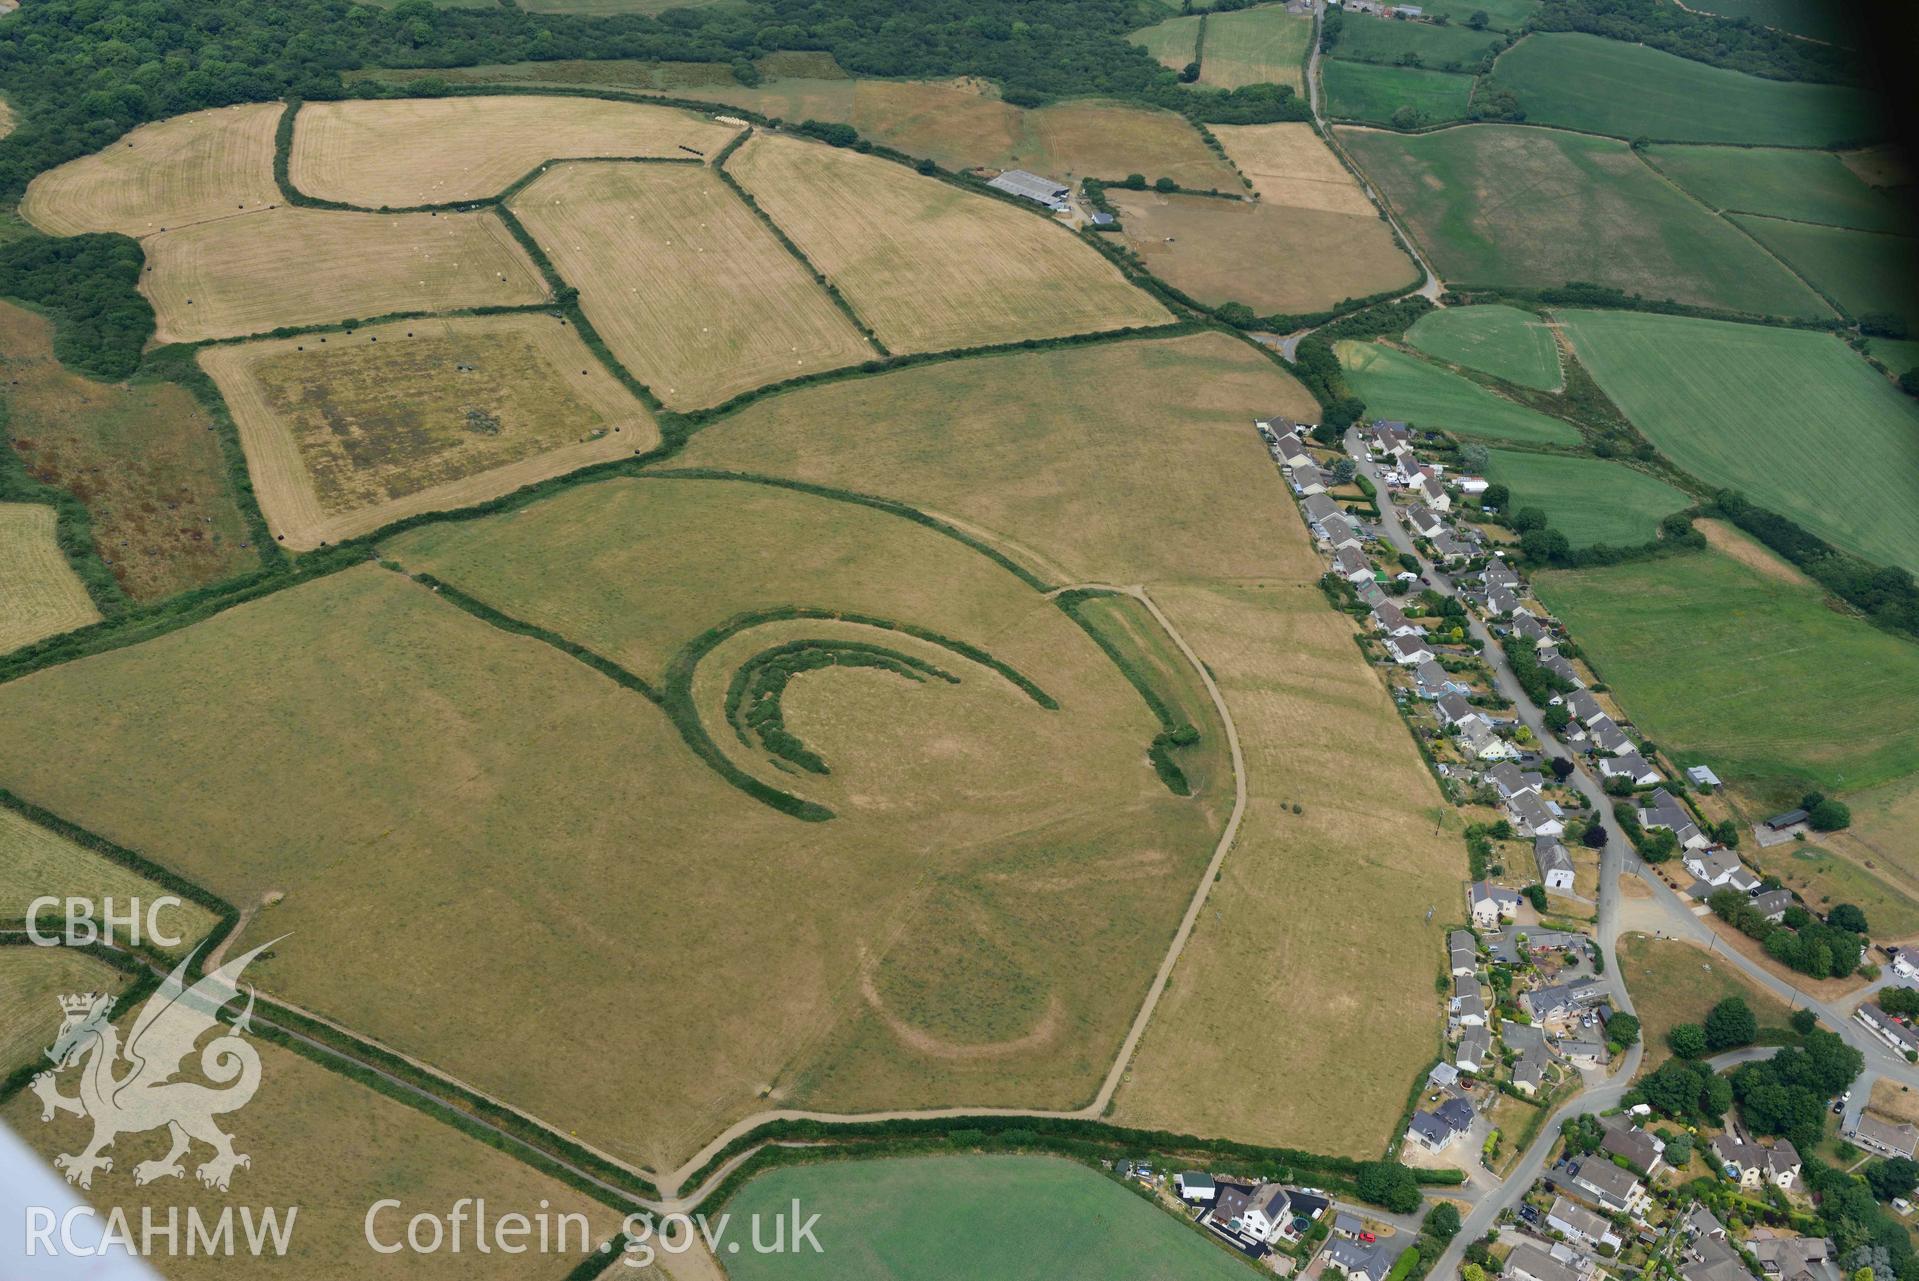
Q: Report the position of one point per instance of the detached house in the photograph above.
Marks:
(1490, 905)
(1500, 602)
(1555, 864)
(1509, 780)
(1884, 1137)
(1558, 665)
(1561, 999)
(1478, 738)
(1475, 1052)
(1580, 1224)
(1469, 1002)
(1433, 494)
(1307, 479)
(1449, 549)
(1532, 817)
(1599, 1181)
(1530, 1263)
(1408, 651)
(1608, 737)
(1318, 508)
(1663, 809)
(1526, 627)
(1355, 568)
(1423, 521)
(1583, 707)
(1720, 869)
(1392, 620)
(1645, 1152)
(1784, 1258)
(1500, 574)
(1339, 532)
(1259, 1214)
(1455, 710)
(1358, 1261)
(1631, 766)
(1435, 681)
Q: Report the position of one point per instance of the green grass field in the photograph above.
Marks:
(1630, 91)
(1266, 45)
(1396, 385)
(1794, 419)
(1588, 499)
(1012, 1218)
(1863, 271)
(35, 861)
(1175, 42)
(1363, 91)
(1498, 340)
(1896, 354)
(1810, 186)
(1746, 671)
(1529, 208)
(1363, 38)
(1826, 20)
(1502, 15)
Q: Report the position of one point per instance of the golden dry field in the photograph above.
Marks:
(977, 924)
(1304, 1000)
(333, 1148)
(32, 981)
(8, 117)
(1673, 982)
(315, 266)
(690, 290)
(1272, 258)
(1136, 462)
(42, 594)
(422, 151)
(1292, 167)
(1064, 459)
(930, 266)
(347, 432)
(139, 455)
(188, 169)
(36, 861)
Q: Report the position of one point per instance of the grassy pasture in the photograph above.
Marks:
(1831, 872)
(1631, 91)
(1502, 341)
(1881, 833)
(1272, 258)
(1174, 42)
(1015, 1218)
(32, 981)
(191, 168)
(1364, 38)
(1512, 205)
(1589, 500)
(1673, 982)
(293, 266)
(1768, 411)
(1291, 166)
(1862, 271)
(35, 861)
(43, 594)
(1896, 354)
(928, 265)
(1502, 15)
(139, 455)
(347, 434)
(1808, 186)
(689, 289)
(333, 1148)
(1885, 165)
(1722, 663)
(977, 925)
(1263, 45)
(1065, 459)
(419, 151)
(1365, 91)
(1397, 385)
(1060, 458)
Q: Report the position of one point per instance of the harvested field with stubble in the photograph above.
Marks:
(689, 289)
(1282, 989)
(1066, 459)
(1292, 167)
(36, 861)
(333, 1148)
(288, 266)
(32, 981)
(139, 455)
(1063, 459)
(1271, 258)
(929, 265)
(189, 169)
(43, 595)
(421, 151)
(1533, 208)
(348, 434)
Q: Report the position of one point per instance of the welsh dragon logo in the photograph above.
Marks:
(132, 1088)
